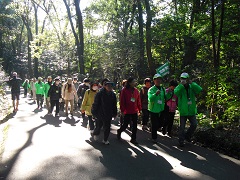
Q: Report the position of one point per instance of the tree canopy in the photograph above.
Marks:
(123, 38)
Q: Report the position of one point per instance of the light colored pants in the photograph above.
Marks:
(71, 105)
(34, 95)
(48, 103)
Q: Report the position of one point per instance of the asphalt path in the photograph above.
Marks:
(39, 146)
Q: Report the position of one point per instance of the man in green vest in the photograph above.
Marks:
(156, 103)
(186, 92)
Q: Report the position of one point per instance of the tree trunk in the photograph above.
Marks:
(215, 61)
(81, 38)
(30, 38)
(220, 31)
(151, 63)
(141, 68)
(77, 41)
(36, 63)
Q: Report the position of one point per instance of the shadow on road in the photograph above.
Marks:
(4, 171)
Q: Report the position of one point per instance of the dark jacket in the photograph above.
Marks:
(144, 97)
(15, 84)
(81, 90)
(105, 105)
(55, 92)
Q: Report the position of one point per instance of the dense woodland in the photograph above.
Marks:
(122, 38)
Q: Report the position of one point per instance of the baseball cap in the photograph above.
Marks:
(156, 76)
(184, 75)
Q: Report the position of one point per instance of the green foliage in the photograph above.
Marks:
(223, 94)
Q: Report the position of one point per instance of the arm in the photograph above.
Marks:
(122, 101)
(139, 104)
(115, 105)
(85, 98)
(151, 95)
(96, 104)
(196, 88)
(178, 90)
(75, 92)
(79, 90)
(49, 94)
(63, 91)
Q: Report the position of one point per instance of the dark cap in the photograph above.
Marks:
(56, 79)
(108, 82)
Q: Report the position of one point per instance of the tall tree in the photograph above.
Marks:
(77, 36)
(151, 63)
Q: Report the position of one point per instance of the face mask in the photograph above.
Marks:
(87, 84)
(94, 88)
(183, 81)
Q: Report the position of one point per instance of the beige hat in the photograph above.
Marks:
(69, 80)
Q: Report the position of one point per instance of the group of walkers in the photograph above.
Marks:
(98, 102)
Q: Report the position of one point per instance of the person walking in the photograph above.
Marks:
(15, 84)
(40, 89)
(69, 93)
(76, 85)
(104, 108)
(46, 89)
(156, 103)
(124, 82)
(172, 106)
(55, 94)
(81, 92)
(87, 104)
(144, 102)
(33, 89)
(186, 92)
(130, 105)
(26, 86)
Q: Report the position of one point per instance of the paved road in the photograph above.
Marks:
(45, 147)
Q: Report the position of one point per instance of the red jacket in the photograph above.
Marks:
(130, 102)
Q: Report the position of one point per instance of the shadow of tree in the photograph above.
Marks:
(4, 171)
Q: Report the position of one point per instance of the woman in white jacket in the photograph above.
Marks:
(69, 93)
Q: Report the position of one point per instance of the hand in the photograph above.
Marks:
(158, 92)
(82, 111)
(139, 113)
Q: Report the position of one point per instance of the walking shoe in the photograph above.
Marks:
(144, 128)
(49, 114)
(95, 137)
(105, 142)
(134, 141)
(154, 141)
(118, 135)
(57, 114)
